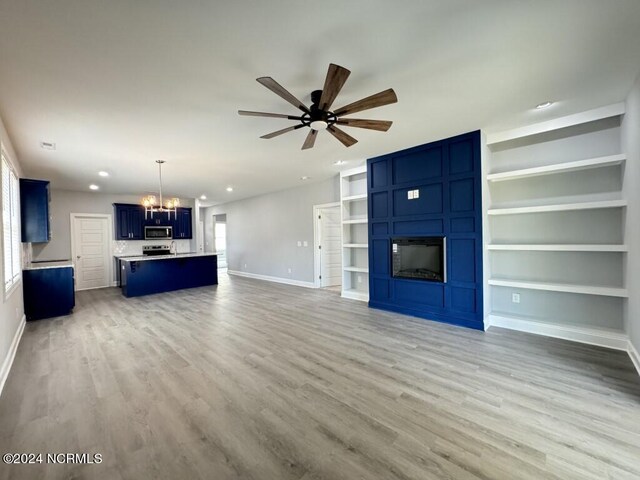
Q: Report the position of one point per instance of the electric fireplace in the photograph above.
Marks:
(419, 258)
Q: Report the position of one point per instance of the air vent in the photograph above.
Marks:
(48, 145)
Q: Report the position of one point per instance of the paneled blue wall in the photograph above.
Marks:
(447, 174)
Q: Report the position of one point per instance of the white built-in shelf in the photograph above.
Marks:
(353, 198)
(560, 248)
(355, 245)
(558, 208)
(557, 123)
(357, 269)
(607, 161)
(561, 287)
(355, 294)
(354, 221)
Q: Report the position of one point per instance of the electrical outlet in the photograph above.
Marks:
(305, 244)
(288, 270)
(515, 298)
(410, 195)
(299, 243)
(416, 194)
(359, 278)
(245, 265)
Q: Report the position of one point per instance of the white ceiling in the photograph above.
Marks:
(117, 84)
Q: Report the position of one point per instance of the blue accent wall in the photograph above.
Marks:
(447, 174)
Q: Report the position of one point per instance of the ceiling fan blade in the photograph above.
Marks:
(310, 140)
(264, 114)
(346, 139)
(378, 100)
(381, 125)
(278, 89)
(280, 132)
(333, 83)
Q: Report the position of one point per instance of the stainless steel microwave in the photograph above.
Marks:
(158, 233)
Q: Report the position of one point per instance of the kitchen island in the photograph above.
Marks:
(145, 275)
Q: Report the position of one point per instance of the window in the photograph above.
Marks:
(10, 225)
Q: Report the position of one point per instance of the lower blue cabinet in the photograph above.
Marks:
(48, 292)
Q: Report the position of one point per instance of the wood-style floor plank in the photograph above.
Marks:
(255, 380)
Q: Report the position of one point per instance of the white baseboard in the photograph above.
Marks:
(592, 336)
(635, 357)
(287, 281)
(11, 354)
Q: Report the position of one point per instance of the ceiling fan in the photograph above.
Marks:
(318, 116)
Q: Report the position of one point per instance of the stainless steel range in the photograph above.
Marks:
(150, 250)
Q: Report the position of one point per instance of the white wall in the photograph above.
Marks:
(11, 308)
(263, 231)
(631, 191)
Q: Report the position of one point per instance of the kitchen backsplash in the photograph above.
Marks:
(124, 247)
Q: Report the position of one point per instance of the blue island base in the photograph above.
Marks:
(145, 277)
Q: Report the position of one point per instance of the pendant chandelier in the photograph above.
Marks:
(150, 205)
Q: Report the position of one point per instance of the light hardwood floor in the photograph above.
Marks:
(255, 380)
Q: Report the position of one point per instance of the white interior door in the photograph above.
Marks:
(91, 251)
(330, 246)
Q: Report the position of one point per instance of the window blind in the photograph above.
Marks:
(10, 225)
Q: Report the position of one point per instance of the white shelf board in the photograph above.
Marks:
(558, 208)
(355, 295)
(561, 287)
(355, 245)
(354, 221)
(559, 248)
(557, 123)
(607, 161)
(353, 198)
(357, 269)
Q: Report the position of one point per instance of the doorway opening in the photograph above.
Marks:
(327, 245)
(220, 239)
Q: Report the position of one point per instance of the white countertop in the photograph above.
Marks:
(143, 258)
(43, 265)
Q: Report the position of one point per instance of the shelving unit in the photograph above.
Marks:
(562, 287)
(355, 243)
(608, 161)
(558, 208)
(556, 261)
(559, 248)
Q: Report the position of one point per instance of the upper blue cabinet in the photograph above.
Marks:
(182, 226)
(129, 221)
(34, 210)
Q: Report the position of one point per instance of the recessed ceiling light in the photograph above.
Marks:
(339, 162)
(229, 189)
(203, 197)
(304, 177)
(48, 145)
(543, 105)
(102, 173)
(93, 186)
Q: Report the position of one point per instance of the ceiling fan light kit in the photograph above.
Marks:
(318, 116)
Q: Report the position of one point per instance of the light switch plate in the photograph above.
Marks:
(305, 244)
(416, 194)
(515, 297)
(410, 195)
(299, 243)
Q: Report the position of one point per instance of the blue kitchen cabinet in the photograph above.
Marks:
(129, 220)
(182, 225)
(34, 210)
(48, 292)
